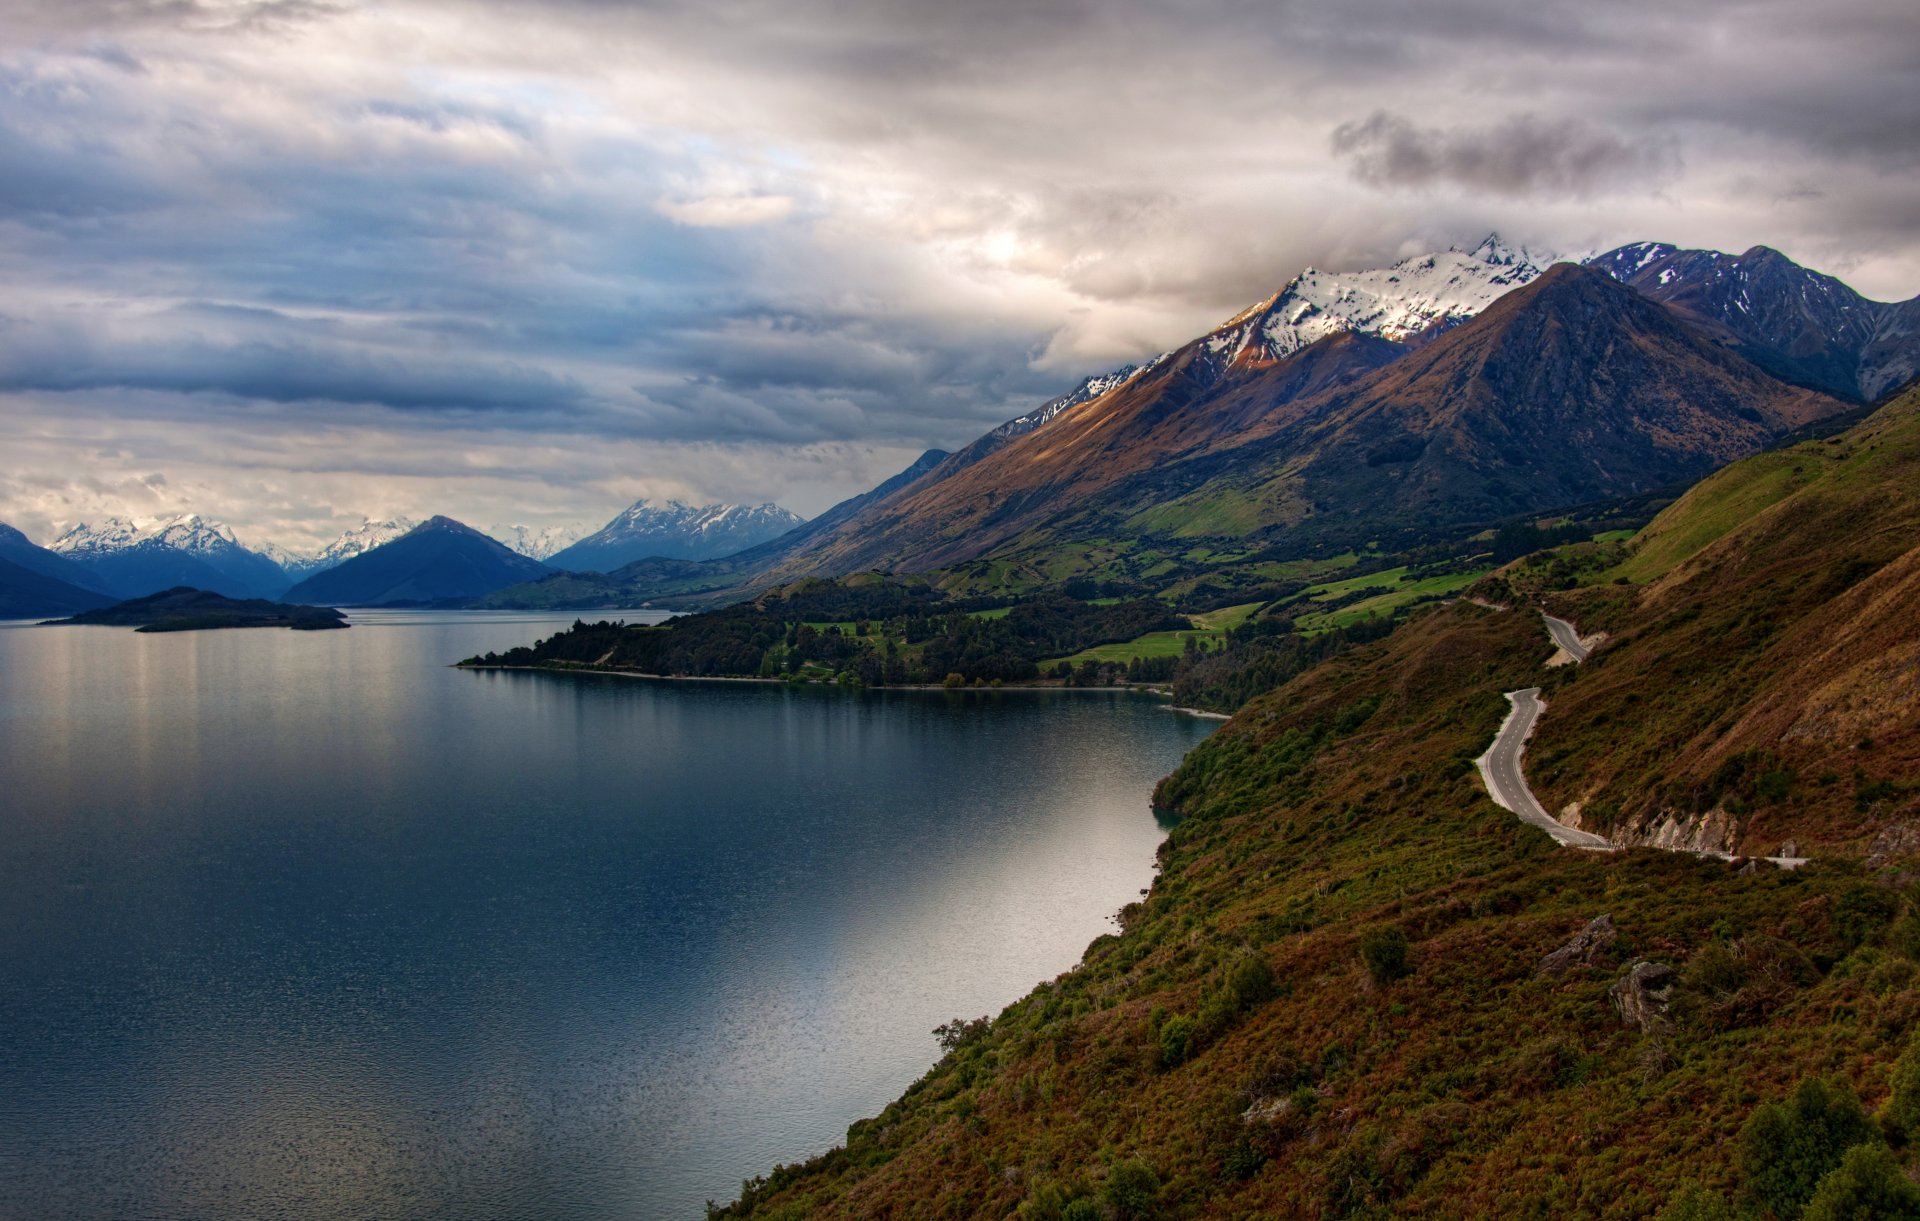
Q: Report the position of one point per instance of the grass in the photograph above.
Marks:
(1211, 628)
(1403, 594)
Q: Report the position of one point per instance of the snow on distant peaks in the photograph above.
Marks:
(363, 538)
(537, 543)
(184, 531)
(1396, 302)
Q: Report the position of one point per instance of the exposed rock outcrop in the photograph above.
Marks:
(1643, 996)
(1587, 947)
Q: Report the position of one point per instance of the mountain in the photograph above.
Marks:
(437, 561)
(131, 560)
(357, 541)
(537, 544)
(675, 531)
(1570, 388)
(637, 582)
(1771, 608)
(1357, 988)
(1411, 298)
(1801, 325)
(17, 549)
(26, 593)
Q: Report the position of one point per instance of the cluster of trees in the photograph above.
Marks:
(1261, 654)
(1818, 1156)
(899, 634)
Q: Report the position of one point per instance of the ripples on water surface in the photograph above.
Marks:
(310, 925)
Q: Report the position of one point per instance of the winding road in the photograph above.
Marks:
(1500, 768)
(1566, 636)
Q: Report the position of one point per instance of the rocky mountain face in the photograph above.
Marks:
(675, 531)
(130, 560)
(36, 583)
(440, 560)
(1792, 321)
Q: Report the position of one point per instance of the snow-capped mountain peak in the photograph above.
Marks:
(676, 530)
(537, 543)
(187, 532)
(363, 538)
(1396, 302)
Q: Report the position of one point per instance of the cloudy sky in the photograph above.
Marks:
(294, 262)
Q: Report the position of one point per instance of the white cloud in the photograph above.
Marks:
(727, 211)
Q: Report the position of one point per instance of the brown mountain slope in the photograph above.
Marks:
(1333, 1002)
(1764, 686)
(1194, 402)
(1571, 389)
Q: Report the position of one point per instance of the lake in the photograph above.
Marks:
(311, 925)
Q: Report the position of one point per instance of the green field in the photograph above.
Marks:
(1211, 627)
(1402, 594)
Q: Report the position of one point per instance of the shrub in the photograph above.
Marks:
(1176, 1038)
(1384, 953)
(1695, 1203)
(1862, 912)
(1867, 1186)
(1787, 1147)
(1132, 1190)
(1902, 1113)
(1251, 981)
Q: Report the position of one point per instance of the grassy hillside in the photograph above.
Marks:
(1331, 1003)
(1763, 682)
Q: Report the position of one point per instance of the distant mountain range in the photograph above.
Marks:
(129, 561)
(1800, 325)
(675, 531)
(537, 543)
(437, 562)
(1383, 409)
(356, 541)
(1379, 409)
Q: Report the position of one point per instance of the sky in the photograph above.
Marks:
(294, 263)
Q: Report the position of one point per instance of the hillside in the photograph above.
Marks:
(1333, 1001)
(438, 561)
(1773, 611)
(1342, 995)
(28, 594)
(1570, 389)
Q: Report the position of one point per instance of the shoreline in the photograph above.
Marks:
(1159, 693)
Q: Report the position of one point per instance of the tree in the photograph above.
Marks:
(1695, 1203)
(1384, 953)
(1902, 1113)
(1787, 1147)
(1867, 1186)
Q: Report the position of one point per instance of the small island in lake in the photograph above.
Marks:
(185, 609)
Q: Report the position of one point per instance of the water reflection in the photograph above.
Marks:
(312, 925)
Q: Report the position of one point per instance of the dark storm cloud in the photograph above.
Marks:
(1525, 155)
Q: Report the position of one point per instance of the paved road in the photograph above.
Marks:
(1500, 768)
(1566, 636)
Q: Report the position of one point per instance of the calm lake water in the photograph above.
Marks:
(310, 925)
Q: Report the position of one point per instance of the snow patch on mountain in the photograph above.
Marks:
(187, 532)
(676, 530)
(1396, 303)
(537, 543)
